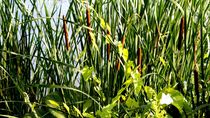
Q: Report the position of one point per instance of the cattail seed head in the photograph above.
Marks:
(181, 33)
(66, 33)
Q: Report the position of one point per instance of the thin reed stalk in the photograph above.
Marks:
(139, 60)
(196, 82)
(108, 48)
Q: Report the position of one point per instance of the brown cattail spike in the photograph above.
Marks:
(139, 61)
(66, 33)
(88, 21)
(118, 65)
(123, 41)
(181, 34)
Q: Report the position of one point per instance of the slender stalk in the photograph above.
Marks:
(108, 48)
(139, 60)
(158, 37)
(88, 21)
(196, 82)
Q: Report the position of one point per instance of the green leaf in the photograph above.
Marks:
(87, 115)
(106, 111)
(137, 81)
(98, 81)
(151, 94)
(163, 61)
(66, 107)
(128, 82)
(87, 72)
(206, 56)
(131, 103)
(125, 54)
(102, 23)
(87, 105)
(129, 65)
(56, 113)
(120, 91)
(179, 100)
(52, 104)
(100, 92)
(120, 49)
(78, 111)
(93, 40)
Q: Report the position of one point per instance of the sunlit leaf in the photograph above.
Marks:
(52, 103)
(151, 94)
(128, 82)
(87, 72)
(206, 56)
(125, 54)
(163, 61)
(93, 40)
(78, 111)
(66, 107)
(102, 23)
(137, 81)
(56, 113)
(88, 115)
(120, 49)
(106, 111)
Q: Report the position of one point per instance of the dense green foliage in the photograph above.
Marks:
(125, 58)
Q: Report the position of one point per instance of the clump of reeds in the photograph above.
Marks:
(81, 84)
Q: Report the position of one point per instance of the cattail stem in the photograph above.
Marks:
(158, 37)
(139, 60)
(108, 48)
(181, 34)
(66, 33)
(196, 82)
